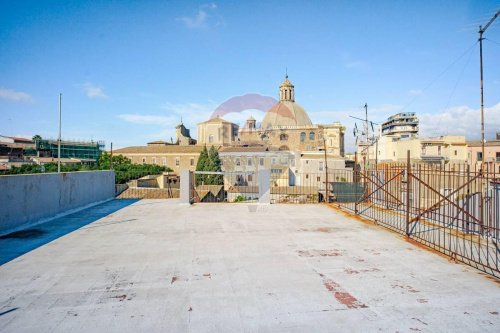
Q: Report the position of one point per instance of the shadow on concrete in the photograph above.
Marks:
(20, 242)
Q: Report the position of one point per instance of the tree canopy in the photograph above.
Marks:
(209, 161)
(123, 167)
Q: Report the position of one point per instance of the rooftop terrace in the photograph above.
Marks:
(156, 265)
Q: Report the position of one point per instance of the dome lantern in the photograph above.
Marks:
(287, 92)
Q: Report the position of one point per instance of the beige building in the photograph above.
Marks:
(242, 164)
(217, 132)
(176, 157)
(491, 153)
(441, 150)
(286, 126)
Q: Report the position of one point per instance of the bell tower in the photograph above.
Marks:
(287, 92)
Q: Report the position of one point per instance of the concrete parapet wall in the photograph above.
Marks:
(26, 199)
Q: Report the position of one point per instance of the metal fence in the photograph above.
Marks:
(451, 209)
(208, 186)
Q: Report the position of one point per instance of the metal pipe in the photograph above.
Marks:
(59, 140)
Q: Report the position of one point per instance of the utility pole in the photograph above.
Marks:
(481, 31)
(327, 189)
(111, 158)
(59, 140)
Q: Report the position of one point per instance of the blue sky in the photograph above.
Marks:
(129, 70)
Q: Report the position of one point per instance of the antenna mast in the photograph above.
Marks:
(481, 31)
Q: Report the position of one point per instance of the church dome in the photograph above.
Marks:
(286, 112)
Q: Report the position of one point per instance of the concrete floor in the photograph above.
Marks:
(158, 266)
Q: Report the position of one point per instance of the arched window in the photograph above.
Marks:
(283, 137)
(312, 136)
(302, 136)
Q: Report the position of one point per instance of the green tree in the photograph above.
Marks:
(215, 165)
(117, 160)
(36, 138)
(202, 165)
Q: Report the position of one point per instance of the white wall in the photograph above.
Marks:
(25, 199)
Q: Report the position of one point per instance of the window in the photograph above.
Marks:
(177, 161)
(439, 150)
(283, 137)
(498, 156)
(249, 178)
(210, 138)
(318, 179)
(479, 156)
(307, 176)
(456, 152)
(154, 160)
(261, 161)
(273, 161)
(238, 162)
(191, 161)
(249, 162)
(302, 136)
(320, 166)
(143, 160)
(312, 136)
(164, 161)
(394, 154)
(276, 171)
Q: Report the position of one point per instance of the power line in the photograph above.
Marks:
(439, 75)
(458, 80)
(490, 40)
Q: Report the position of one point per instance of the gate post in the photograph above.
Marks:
(264, 186)
(186, 187)
(356, 174)
(408, 190)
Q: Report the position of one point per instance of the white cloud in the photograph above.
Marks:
(415, 92)
(15, 96)
(461, 120)
(205, 17)
(190, 113)
(93, 91)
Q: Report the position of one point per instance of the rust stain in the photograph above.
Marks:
(208, 275)
(324, 229)
(366, 270)
(190, 309)
(343, 296)
(407, 288)
(319, 253)
(174, 278)
(120, 297)
(423, 247)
